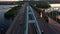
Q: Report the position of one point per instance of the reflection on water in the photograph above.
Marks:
(4, 23)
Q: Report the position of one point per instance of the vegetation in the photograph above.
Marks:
(12, 12)
(42, 5)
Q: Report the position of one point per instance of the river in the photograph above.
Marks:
(4, 23)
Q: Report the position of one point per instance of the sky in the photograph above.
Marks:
(11, 0)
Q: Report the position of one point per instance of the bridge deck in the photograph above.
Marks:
(18, 25)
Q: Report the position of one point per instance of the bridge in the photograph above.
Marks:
(29, 21)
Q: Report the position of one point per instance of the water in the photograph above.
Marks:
(4, 23)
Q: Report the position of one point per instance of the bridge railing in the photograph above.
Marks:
(54, 15)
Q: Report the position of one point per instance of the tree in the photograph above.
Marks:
(42, 5)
